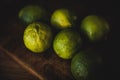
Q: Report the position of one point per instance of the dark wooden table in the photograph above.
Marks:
(18, 63)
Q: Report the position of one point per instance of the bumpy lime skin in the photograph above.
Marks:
(79, 66)
(66, 43)
(84, 63)
(37, 37)
(95, 27)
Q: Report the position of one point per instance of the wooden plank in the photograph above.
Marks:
(43, 66)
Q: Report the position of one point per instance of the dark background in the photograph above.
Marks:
(106, 8)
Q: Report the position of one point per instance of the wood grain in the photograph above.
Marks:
(17, 62)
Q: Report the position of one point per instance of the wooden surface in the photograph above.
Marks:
(46, 64)
(18, 63)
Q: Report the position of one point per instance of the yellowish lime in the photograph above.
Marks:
(37, 37)
(94, 27)
(66, 43)
(62, 18)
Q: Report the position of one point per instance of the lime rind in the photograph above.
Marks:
(37, 37)
(31, 13)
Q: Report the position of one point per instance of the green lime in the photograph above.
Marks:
(62, 18)
(32, 13)
(94, 27)
(37, 37)
(83, 65)
(66, 43)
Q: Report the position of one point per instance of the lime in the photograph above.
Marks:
(32, 13)
(62, 18)
(84, 64)
(66, 43)
(94, 27)
(37, 37)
